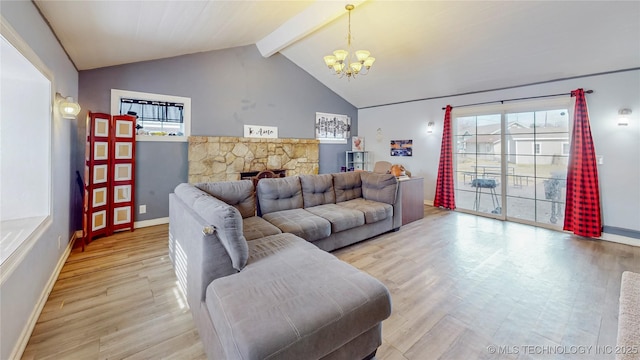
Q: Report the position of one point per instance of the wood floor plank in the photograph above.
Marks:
(459, 284)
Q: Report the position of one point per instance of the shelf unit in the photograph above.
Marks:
(357, 160)
(108, 175)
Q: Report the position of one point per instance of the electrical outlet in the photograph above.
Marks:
(600, 159)
(142, 209)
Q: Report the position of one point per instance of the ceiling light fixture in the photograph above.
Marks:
(342, 62)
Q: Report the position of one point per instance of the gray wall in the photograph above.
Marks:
(22, 289)
(228, 89)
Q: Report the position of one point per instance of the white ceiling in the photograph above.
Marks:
(423, 48)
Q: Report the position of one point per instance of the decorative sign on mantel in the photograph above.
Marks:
(259, 131)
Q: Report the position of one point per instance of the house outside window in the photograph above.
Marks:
(537, 149)
(159, 117)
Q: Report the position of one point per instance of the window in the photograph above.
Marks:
(565, 149)
(159, 117)
(25, 165)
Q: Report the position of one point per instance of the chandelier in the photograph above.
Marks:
(343, 62)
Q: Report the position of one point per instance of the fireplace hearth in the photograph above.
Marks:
(248, 175)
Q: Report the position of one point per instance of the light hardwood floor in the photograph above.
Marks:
(460, 284)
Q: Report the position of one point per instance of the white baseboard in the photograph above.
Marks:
(151, 222)
(620, 239)
(428, 202)
(23, 340)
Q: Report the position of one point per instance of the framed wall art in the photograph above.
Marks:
(333, 128)
(401, 147)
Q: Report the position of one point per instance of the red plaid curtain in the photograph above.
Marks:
(445, 196)
(582, 211)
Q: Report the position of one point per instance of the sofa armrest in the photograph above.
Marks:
(198, 258)
(224, 217)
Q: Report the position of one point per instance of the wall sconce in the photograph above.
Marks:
(623, 117)
(67, 107)
(430, 125)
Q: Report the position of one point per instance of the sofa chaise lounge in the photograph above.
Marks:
(262, 287)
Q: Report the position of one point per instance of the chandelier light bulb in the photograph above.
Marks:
(369, 62)
(362, 55)
(330, 60)
(341, 54)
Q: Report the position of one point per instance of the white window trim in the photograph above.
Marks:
(34, 227)
(557, 103)
(117, 94)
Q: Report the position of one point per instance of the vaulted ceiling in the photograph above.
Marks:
(423, 48)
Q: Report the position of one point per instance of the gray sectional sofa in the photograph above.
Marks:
(262, 287)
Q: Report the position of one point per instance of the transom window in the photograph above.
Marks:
(159, 117)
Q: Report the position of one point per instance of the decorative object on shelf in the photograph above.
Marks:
(342, 62)
(623, 117)
(68, 108)
(109, 175)
(357, 143)
(333, 128)
(401, 147)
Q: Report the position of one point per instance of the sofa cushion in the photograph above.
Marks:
(373, 211)
(347, 185)
(341, 217)
(293, 301)
(239, 194)
(317, 190)
(256, 227)
(224, 217)
(279, 194)
(301, 223)
(379, 187)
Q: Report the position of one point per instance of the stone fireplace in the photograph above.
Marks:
(222, 158)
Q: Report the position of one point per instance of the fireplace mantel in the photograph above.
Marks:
(222, 158)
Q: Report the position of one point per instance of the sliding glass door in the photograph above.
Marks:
(512, 164)
(478, 163)
(538, 151)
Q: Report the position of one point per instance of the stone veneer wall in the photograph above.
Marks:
(221, 158)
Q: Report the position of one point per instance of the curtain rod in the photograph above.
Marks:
(516, 99)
